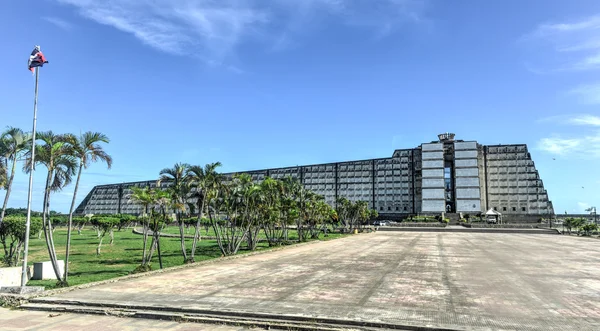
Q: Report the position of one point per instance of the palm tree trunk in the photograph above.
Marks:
(99, 245)
(70, 225)
(145, 226)
(182, 235)
(47, 225)
(197, 234)
(8, 188)
(158, 251)
(152, 248)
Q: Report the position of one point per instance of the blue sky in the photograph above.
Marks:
(270, 83)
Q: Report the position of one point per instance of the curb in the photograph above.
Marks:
(231, 317)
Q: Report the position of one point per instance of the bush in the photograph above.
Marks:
(142, 268)
(589, 229)
(12, 236)
(124, 220)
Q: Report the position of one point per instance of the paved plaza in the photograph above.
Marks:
(452, 280)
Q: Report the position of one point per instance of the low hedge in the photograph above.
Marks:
(419, 224)
(505, 226)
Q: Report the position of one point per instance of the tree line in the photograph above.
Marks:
(238, 209)
(580, 225)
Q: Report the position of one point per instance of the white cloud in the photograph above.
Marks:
(559, 145)
(588, 93)
(589, 120)
(587, 146)
(215, 28)
(573, 119)
(565, 46)
(59, 22)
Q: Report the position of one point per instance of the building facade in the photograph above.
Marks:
(446, 175)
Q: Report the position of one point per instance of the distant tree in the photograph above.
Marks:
(373, 214)
(276, 205)
(86, 149)
(13, 144)
(158, 220)
(145, 198)
(202, 180)
(125, 220)
(105, 225)
(571, 223)
(179, 190)
(231, 212)
(589, 229)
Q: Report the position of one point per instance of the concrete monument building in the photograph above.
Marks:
(445, 175)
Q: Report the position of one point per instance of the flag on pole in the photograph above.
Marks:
(37, 59)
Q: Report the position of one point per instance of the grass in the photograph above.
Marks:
(123, 256)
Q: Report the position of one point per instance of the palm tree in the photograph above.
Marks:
(162, 200)
(201, 179)
(145, 197)
(13, 144)
(3, 175)
(56, 154)
(179, 189)
(87, 150)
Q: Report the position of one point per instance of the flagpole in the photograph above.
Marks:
(28, 221)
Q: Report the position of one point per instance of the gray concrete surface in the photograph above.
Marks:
(13, 320)
(454, 280)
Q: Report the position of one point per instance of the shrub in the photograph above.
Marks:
(142, 268)
(104, 225)
(589, 229)
(125, 220)
(12, 236)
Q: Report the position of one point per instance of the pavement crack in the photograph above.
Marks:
(445, 276)
(391, 267)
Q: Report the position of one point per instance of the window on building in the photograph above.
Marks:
(494, 208)
(381, 208)
(514, 208)
(397, 208)
(389, 208)
(405, 208)
(523, 209)
(503, 208)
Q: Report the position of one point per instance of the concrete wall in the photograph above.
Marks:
(432, 185)
(513, 183)
(466, 177)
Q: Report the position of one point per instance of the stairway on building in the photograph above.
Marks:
(454, 218)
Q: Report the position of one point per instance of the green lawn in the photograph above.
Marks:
(123, 256)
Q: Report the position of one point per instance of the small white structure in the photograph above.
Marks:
(44, 270)
(12, 276)
(492, 216)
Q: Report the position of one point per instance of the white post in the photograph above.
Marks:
(28, 221)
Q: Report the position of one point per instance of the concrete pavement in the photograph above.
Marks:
(446, 280)
(13, 320)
